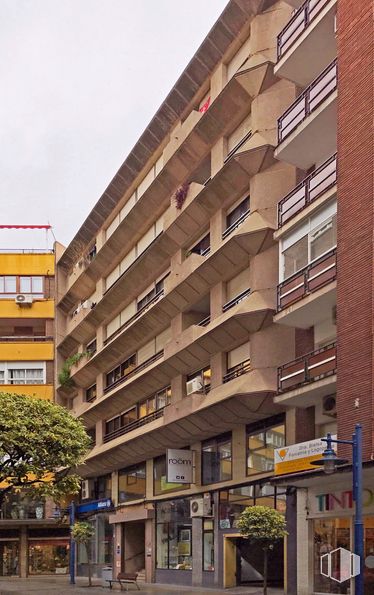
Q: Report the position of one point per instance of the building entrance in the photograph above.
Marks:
(134, 547)
(250, 564)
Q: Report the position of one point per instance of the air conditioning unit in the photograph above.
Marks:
(195, 386)
(87, 485)
(23, 300)
(87, 305)
(201, 507)
(329, 406)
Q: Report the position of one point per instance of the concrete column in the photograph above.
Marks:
(99, 432)
(149, 479)
(176, 260)
(178, 388)
(217, 226)
(197, 551)
(238, 453)
(100, 383)
(196, 447)
(100, 289)
(218, 154)
(218, 81)
(100, 239)
(177, 325)
(49, 328)
(218, 554)
(23, 553)
(292, 555)
(118, 549)
(304, 561)
(115, 488)
(100, 337)
(218, 365)
(150, 550)
(217, 299)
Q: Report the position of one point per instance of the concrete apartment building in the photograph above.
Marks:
(30, 541)
(203, 295)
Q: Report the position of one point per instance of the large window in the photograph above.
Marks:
(131, 483)
(174, 534)
(160, 483)
(233, 501)
(262, 439)
(216, 459)
(148, 297)
(120, 371)
(11, 285)
(22, 373)
(103, 487)
(310, 241)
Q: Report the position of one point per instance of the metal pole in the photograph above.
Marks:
(357, 496)
(72, 545)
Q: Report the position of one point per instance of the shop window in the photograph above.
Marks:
(131, 483)
(208, 544)
(48, 556)
(216, 459)
(9, 555)
(174, 534)
(160, 483)
(330, 534)
(233, 501)
(262, 439)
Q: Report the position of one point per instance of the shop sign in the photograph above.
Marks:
(298, 457)
(179, 465)
(95, 506)
(338, 501)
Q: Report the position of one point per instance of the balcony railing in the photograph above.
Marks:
(236, 300)
(205, 321)
(308, 368)
(237, 370)
(323, 86)
(311, 188)
(236, 224)
(298, 23)
(137, 315)
(134, 371)
(26, 339)
(317, 274)
(138, 423)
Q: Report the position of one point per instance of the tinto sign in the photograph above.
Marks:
(179, 465)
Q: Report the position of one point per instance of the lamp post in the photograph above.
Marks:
(330, 461)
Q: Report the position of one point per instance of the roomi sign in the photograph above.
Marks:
(179, 465)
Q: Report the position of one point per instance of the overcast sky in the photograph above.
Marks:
(80, 80)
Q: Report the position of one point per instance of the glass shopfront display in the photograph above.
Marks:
(9, 557)
(233, 501)
(48, 556)
(101, 546)
(174, 534)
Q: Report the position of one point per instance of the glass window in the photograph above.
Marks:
(131, 483)
(295, 257)
(216, 459)
(323, 238)
(160, 484)
(238, 212)
(25, 284)
(2, 377)
(174, 534)
(128, 417)
(47, 556)
(37, 284)
(330, 534)
(26, 376)
(91, 393)
(233, 501)
(202, 247)
(202, 384)
(208, 545)
(163, 398)
(262, 440)
(103, 487)
(10, 284)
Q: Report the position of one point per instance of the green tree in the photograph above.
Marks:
(41, 444)
(263, 526)
(82, 533)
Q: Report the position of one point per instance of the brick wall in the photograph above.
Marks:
(355, 220)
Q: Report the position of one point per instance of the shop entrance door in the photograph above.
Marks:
(250, 564)
(134, 547)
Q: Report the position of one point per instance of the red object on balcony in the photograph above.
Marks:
(204, 108)
(317, 274)
(307, 368)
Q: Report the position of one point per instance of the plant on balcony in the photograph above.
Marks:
(264, 527)
(64, 376)
(41, 444)
(82, 532)
(181, 195)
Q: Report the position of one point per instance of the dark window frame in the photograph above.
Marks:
(216, 441)
(262, 426)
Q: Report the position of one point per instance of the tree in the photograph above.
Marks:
(263, 526)
(41, 444)
(82, 532)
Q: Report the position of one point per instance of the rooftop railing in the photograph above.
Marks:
(138, 423)
(317, 274)
(323, 86)
(311, 188)
(297, 24)
(135, 371)
(307, 368)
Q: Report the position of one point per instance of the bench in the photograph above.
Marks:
(124, 579)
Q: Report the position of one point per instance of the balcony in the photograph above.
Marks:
(134, 371)
(307, 130)
(314, 187)
(139, 423)
(39, 391)
(237, 371)
(305, 297)
(304, 381)
(307, 44)
(21, 350)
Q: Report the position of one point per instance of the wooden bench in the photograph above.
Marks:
(124, 579)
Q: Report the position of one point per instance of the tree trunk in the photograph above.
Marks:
(265, 571)
(89, 568)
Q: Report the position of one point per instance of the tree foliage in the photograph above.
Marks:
(64, 377)
(41, 444)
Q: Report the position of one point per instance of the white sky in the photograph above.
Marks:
(80, 80)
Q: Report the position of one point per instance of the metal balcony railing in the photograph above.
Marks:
(308, 368)
(298, 23)
(26, 339)
(236, 300)
(317, 274)
(236, 224)
(323, 86)
(134, 371)
(311, 188)
(237, 370)
(205, 321)
(138, 423)
(137, 315)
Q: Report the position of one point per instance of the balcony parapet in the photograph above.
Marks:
(308, 368)
(138, 423)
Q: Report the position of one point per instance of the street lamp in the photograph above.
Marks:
(330, 461)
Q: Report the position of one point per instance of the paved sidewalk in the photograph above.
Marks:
(61, 586)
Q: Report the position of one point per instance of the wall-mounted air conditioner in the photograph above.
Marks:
(195, 385)
(23, 300)
(329, 406)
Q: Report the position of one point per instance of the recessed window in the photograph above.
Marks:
(132, 483)
(262, 439)
(216, 459)
(91, 393)
(236, 214)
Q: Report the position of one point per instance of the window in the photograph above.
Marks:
(174, 534)
(233, 501)
(121, 421)
(199, 381)
(202, 247)
(11, 285)
(160, 484)
(157, 401)
(2, 377)
(262, 439)
(25, 376)
(91, 393)
(121, 370)
(310, 241)
(208, 544)
(91, 347)
(330, 534)
(92, 434)
(237, 213)
(103, 487)
(131, 483)
(216, 459)
(159, 286)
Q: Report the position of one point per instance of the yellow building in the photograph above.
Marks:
(27, 289)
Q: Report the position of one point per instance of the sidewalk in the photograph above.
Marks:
(61, 586)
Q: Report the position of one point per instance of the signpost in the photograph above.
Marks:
(297, 457)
